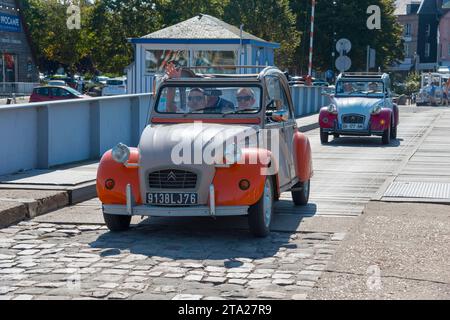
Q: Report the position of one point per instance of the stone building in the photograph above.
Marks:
(17, 62)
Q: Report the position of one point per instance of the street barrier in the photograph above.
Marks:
(17, 88)
(43, 135)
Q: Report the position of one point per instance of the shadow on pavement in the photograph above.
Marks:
(363, 142)
(223, 239)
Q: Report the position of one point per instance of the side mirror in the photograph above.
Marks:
(280, 116)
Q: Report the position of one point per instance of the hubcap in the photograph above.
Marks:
(267, 204)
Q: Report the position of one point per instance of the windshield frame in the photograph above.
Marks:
(209, 85)
(361, 94)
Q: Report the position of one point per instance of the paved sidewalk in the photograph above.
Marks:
(395, 251)
(30, 194)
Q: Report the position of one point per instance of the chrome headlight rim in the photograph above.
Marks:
(121, 153)
(332, 108)
(377, 109)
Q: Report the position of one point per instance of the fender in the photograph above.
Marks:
(226, 180)
(381, 121)
(327, 119)
(303, 157)
(110, 169)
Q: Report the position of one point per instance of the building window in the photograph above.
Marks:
(407, 30)
(427, 50)
(428, 30)
(8, 68)
(156, 60)
(215, 58)
(406, 48)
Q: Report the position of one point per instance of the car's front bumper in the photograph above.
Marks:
(131, 209)
(353, 132)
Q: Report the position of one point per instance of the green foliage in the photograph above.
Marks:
(412, 83)
(101, 43)
(348, 19)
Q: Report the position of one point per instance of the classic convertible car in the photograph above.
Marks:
(215, 145)
(361, 106)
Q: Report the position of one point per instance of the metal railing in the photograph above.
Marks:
(7, 89)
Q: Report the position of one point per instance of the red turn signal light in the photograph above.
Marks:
(110, 184)
(244, 185)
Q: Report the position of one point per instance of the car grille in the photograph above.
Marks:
(172, 179)
(353, 118)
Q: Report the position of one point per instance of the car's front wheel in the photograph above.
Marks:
(260, 214)
(386, 138)
(323, 136)
(300, 193)
(117, 223)
(394, 132)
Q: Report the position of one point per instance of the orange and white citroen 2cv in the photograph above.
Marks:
(215, 145)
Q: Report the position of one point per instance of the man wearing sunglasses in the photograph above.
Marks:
(197, 100)
(246, 100)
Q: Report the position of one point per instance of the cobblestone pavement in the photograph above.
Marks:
(48, 261)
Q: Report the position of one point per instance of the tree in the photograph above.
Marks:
(271, 20)
(337, 19)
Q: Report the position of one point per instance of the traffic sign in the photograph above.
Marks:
(343, 46)
(343, 63)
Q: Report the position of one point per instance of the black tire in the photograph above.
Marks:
(301, 197)
(260, 220)
(386, 139)
(394, 132)
(323, 137)
(117, 223)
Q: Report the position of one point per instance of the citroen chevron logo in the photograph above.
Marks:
(171, 177)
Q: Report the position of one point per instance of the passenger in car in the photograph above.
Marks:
(246, 99)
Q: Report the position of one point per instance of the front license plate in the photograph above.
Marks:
(172, 199)
(352, 126)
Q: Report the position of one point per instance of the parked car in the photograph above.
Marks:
(362, 106)
(431, 92)
(204, 153)
(59, 83)
(320, 83)
(100, 80)
(54, 93)
(116, 86)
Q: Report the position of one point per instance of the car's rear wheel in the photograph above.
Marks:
(260, 214)
(323, 136)
(117, 223)
(300, 193)
(386, 138)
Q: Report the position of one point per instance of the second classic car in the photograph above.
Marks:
(215, 145)
(361, 106)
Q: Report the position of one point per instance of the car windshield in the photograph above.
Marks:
(360, 88)
(73, 91)
(209, 100)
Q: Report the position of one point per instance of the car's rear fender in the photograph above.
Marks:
(327, 119)
(121, 175)
(254, 169)
(381, 121)
(302, 157)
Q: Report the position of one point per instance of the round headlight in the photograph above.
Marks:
(332, 108)
(121, 153)
(233, 154)
(376, 110)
